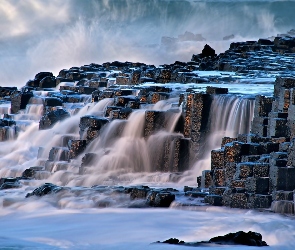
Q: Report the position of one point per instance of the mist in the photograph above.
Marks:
(52, 35)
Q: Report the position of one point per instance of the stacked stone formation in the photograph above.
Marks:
(255, 170)
(253, 56)
(239, 168)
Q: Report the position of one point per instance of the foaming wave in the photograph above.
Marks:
(51, 35)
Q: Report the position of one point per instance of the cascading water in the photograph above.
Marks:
(230, 115)
(124, 155)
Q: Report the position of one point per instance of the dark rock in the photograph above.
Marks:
(52, 117)
(9, 180)
(48, 82)
(92, 125)
(19, 100)
(59, 154)
(214, 200)
(173, 241)
(216, 91)
(239, 238)
(45, 189)
(157, 198)
(6, 91)
(76, 147)
(28, 173)
(208, 51)
(10, 185)
(139, 193)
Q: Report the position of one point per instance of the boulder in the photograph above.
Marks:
(239, 238)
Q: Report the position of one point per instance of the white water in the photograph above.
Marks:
(230, 115)
(50, 35)
(36, 225)
(78, 219)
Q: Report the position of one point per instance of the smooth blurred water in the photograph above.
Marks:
(51, 35)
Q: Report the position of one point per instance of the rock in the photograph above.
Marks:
(5, 92)
(59, 154)
(19, 100)
(159, 198)
(92, 125)
(208, 51)
(52, 117)
(76, 147)
(213, 200)
(139, 192)
(8, 183)
(239, 238)
(45, 189)
(28, 173)
(48, 82)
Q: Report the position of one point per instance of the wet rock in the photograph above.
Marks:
(259, 201)
(213, 200)
(39, 77)
(217, 159)
(76, 147)
(139, 192)
(196, 193)
(258, 185)
(239, 238)
(49, 119)
(28, 173)
(5, 92)
(159, 198)
(52, 102)
(196, 109)
(87, 160)
(19, 100)
(92, 125)
(48, 82)
(59, 154)
(10, 185)
(208, 51)
(206, 180)
(281, 178)
(47, 188)
(216, 91)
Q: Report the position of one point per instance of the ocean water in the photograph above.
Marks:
(51, 35)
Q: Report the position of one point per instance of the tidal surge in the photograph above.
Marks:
(151, 31)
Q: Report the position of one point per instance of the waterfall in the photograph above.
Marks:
(230, 115)
(122, 153)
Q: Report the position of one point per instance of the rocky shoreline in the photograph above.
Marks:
(251, 171)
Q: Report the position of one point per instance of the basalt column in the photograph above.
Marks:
(196, 109)
(259, 168)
